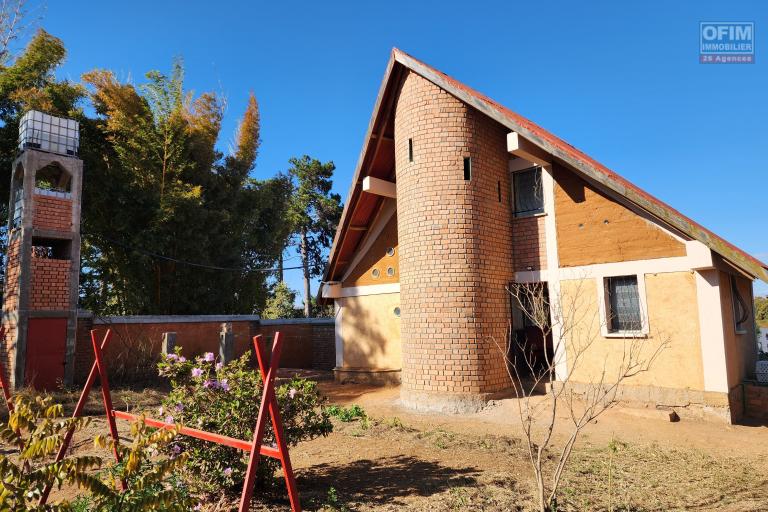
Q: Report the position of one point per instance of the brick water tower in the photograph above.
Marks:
(43, 255)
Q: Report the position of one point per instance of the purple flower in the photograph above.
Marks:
(172, 357)
(197, 372)
(228, 472)
(179, 407)
(169, 419)
(182, 359)
(224, 385)
(209, 384)
(219, 365)
(160, 410)
(208, 357)
(292, 393)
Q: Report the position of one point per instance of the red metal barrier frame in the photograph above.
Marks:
(255, 447)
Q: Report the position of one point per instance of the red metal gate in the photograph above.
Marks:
(46, 352)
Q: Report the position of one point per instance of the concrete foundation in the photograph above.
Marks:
(687, 403)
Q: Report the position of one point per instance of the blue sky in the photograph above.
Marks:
(619, 80)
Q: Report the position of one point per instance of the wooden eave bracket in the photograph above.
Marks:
(331, 290)
(379, 187)
(523, 148)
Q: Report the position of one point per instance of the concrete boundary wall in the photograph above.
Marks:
(137, 341)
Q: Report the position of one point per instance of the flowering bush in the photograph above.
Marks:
(153, 484)
(225, 399)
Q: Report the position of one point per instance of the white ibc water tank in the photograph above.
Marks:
(38, 130)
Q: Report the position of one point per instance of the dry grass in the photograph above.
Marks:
(386, 464)
(625, 476)
(491, 473)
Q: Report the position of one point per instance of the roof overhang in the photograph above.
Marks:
(528, 140)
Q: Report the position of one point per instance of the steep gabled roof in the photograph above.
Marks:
(591, 169)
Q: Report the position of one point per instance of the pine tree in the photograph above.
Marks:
(313, 214)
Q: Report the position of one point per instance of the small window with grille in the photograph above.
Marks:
(623, 310)
(527, 192)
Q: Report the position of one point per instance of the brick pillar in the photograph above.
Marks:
(455, 249)
(226, 343)
(168, 343)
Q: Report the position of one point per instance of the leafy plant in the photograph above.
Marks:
(333, 503)
(225, 399)
(37, 427)
(151, 481)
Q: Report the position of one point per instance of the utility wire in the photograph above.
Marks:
(155, 255)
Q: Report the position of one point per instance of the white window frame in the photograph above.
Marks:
(603, 302)
(520, 165)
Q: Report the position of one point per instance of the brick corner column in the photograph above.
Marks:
(455, 249)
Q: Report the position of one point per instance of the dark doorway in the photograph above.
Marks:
(46, 353)
(530, 347)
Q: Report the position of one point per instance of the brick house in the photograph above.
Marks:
(455, 197)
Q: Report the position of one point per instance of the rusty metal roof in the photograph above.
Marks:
(581, 162)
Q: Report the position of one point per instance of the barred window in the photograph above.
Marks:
(623, 303)
(528, 192)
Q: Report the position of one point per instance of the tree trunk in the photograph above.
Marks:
(305, 269)
(280, 263)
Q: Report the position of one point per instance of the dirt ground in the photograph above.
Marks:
(629, 460)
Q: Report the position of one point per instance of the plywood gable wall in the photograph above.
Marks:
(593, 228)
(377, 258)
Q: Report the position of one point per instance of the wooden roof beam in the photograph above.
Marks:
(379, 187)
(523, 148)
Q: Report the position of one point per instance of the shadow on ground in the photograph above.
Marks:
(385, 480)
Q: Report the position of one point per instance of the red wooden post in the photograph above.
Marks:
(78, 411)
(268, 405)
(277, 426)
(107, 397)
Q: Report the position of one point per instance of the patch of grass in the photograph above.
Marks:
(347, 414)
(459, 498)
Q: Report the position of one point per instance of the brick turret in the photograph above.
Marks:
(454, 230)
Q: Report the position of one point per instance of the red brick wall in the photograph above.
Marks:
(455, 243)
(756, 401)
(50, 284)
(53, 213)
(135, 347)
(529, 239)
(142, 341)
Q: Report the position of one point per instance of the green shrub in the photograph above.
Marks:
(225, 399)
(38, 425)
